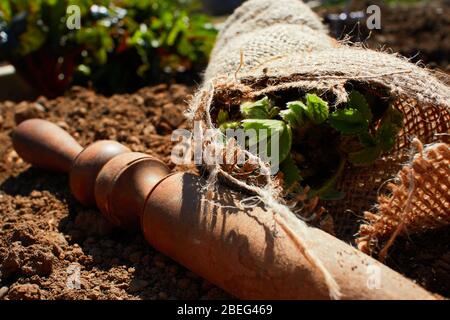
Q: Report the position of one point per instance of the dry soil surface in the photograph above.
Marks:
(46, 237)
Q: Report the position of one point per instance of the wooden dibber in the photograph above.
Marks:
(105, 173)
(237, 249)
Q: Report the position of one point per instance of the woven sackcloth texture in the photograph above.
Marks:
(418, 200)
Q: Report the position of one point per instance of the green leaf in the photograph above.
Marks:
(386, 136)
(294, 115)
(270, 129)
(290, 171)
(354, 119)
(31, 40)
(297, 113)
(391, 124)
(222, 117)
(5, 9)
(367, 140)
(261, 109)
(357, 101)
(395, 117)
(229, 125)
(348, 121)
(273, 112)
(365, 156)
(317, 109)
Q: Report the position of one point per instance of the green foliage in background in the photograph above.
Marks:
(120, 42)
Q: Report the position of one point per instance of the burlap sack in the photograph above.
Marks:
(419, 200)
(270, 46)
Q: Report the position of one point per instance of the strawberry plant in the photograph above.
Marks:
(121, 45)
(316, 142)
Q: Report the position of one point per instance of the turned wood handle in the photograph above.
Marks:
(45, 145)
(238, 249)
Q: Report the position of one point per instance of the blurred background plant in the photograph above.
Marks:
(122, 44)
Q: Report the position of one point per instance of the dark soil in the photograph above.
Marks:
(45, 235)
(424, 258)
(420, 31)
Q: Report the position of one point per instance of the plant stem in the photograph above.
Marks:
(330, 182)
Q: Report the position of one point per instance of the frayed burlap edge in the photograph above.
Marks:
(418, 200)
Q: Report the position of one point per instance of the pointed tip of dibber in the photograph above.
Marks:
(105, 172)
(45, 145)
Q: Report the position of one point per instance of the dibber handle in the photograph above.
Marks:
(237, 249)
(45, 145)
